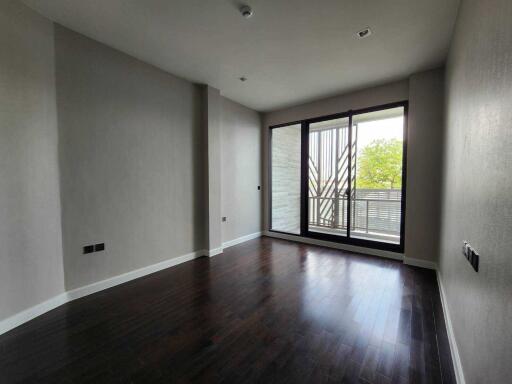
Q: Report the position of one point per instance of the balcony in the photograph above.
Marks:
(375, 214)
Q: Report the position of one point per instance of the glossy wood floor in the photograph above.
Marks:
(266, 311)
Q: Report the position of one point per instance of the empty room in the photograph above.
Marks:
(224, 191)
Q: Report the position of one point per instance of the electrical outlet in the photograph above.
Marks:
(88, 249)
(93, 248)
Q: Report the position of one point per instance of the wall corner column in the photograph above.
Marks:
(212, 135)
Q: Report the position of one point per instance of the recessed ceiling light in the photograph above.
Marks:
(364, 33)
(243, 78)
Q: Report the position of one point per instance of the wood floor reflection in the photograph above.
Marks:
(266, 311)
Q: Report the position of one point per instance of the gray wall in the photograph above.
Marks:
(424, 158)
(131, 160)
(130, 142)
(477, 194)
(30, 228)
(240, 170)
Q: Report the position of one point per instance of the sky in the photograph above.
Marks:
(380, 129)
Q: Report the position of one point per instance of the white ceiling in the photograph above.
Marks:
(291, 51)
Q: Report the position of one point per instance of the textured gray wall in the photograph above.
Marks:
(30, 228)
(241, 170)
(131, 158)
(424, 158)
(477, 194)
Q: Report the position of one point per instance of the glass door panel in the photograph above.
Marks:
(376, 196)
(285, 178)
(340, 178)
(328, 177)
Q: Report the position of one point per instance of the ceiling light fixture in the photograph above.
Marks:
(364, 33)
(246, 11)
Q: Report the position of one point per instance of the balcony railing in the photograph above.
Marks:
(374, 211)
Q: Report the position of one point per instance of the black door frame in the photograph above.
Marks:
(304, 232)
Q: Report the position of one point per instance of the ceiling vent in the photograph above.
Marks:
(364, 33)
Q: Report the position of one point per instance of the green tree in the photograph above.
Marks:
(380, 165)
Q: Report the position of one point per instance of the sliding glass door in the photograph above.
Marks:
(328, 176)
(342, 177)
(377, 194)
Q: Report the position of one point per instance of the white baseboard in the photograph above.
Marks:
(213, 252)
(120, 279)
(240, 240)
(63, 298)
(457, 364)
(420, 263)
(32, 312)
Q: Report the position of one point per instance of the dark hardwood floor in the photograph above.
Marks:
(266, 311)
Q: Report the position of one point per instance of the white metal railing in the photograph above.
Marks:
(373, 210)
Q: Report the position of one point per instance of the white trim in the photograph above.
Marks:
(242, 239)
(213, 252)
(457, 364)
(135, 274)
(63, 298)
(420, 263)
(330, 244)
(32, 312)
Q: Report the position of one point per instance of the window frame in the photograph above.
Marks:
(380, 245)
